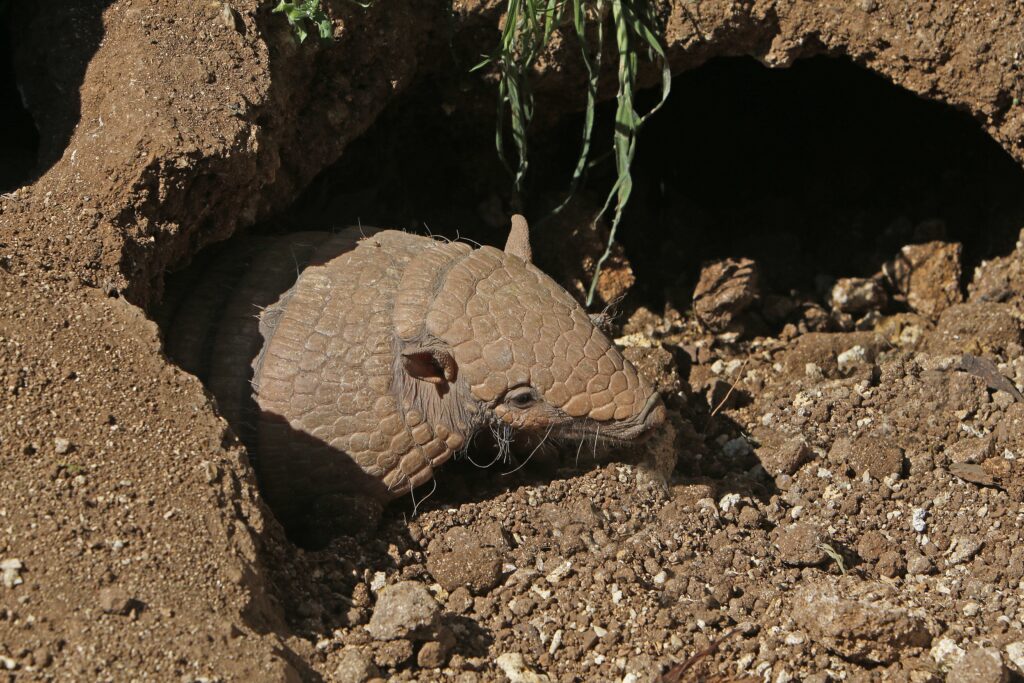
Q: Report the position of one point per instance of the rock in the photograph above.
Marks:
(434, 654)
(468, 556)
(979, 665)
(790, 456)
(1001, 279)
(1015, 655)
(918, 563)
(430, 656)
(903, 330)
(919, 520)
(975, 474)
(61, 446)
(10, 572)
(515, 667)
(1009, 433)
(354, 666)
(879, 456)
(891, 564)
(779, 454)
(946, 653)
(962, 549)
(721, 394)
(823, 348)
(856, 620)
(115, 600)
(800, 544)
(656, 363)
(404, 610)
(1006, 392)
(970, 450)
(849, 359)
(858, 295)
(726, 289)
(392, 654)
(658, 457)
(976, 328)
(928, 275)
(460, 600)
(230, 18)
(737, 448)
(42, 657)
(872, 545)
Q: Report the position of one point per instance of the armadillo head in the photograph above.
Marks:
(488, 339)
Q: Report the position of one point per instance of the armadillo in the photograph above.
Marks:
(356, 363)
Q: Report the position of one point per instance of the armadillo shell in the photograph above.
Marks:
(218, 318)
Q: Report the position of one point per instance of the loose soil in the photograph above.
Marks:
(844, 380)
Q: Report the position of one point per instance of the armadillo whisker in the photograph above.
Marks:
(536, 448)
(502, 436)
(416, 503)
(482, 467)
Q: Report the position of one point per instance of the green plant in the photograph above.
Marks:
(529, 27)
(834, 554)
(73, 469)
(302, 11)
(299, 12)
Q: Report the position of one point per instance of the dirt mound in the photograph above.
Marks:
(845, 502)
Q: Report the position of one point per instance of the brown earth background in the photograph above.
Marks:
(787, 542)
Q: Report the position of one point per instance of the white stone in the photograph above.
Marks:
(946, 652)
(515, 667)
(1015, 653)
(917, 521)
(851, 357)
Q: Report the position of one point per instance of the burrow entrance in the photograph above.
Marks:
(19, 139)
(820, 171)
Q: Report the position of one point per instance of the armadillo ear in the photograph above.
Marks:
(436, 366)
(518, 242)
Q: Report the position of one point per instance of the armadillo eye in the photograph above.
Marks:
(521, 397)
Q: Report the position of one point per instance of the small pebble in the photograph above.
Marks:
(10, 572)
(404, 610)
(115, 600)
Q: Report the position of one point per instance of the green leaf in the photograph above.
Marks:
(298, 13)
(633, 20)
(527, 32)
(326, 29)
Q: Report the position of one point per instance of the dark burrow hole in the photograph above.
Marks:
(19, 139)
(819, 171)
